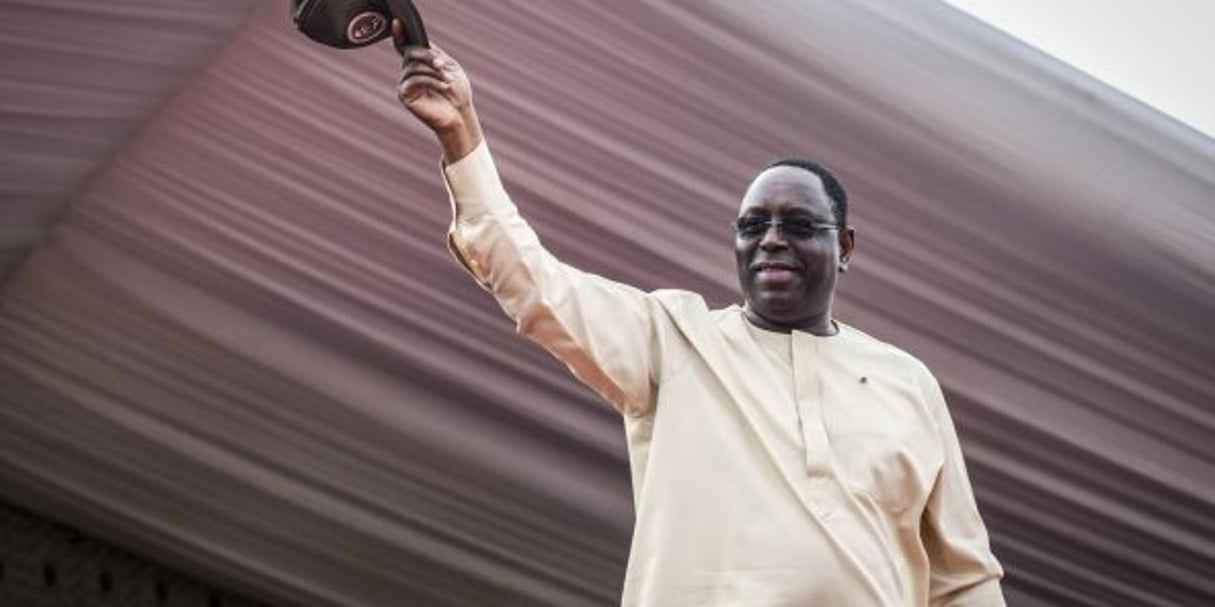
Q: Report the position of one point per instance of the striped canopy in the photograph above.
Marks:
(231, 337)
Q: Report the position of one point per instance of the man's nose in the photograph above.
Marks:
(773, 237)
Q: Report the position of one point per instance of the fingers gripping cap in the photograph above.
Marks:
(355, 23)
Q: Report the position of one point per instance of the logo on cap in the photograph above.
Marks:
(366, 27)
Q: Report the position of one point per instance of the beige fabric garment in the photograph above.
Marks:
(768, 469)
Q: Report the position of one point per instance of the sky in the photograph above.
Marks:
(1160, 51)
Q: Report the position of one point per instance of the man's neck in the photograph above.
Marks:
(822, 326)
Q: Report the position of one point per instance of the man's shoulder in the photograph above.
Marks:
(890, 355)
(692, 313)
(681, 302)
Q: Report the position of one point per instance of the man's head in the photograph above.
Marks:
(792, 242)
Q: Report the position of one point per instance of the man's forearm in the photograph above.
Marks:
(462, 138)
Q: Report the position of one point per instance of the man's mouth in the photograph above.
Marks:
(775, 271)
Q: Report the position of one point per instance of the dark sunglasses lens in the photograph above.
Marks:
(799, 228)
(751, 227)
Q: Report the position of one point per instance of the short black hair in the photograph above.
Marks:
(831, 183)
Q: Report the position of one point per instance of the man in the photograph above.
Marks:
(778, 457)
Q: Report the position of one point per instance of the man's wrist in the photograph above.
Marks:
(460, 139)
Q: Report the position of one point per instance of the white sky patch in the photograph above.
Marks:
(1159, 51)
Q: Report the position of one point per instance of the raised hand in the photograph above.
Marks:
(435, 89)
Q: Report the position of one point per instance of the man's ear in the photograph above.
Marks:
(847, 245)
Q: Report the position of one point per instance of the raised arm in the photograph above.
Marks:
(603, 330)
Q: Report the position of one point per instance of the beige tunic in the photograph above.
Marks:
(768, 469)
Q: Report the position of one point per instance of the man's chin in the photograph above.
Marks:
(779, 308)
(777, 301)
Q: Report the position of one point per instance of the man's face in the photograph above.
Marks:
(788, 273)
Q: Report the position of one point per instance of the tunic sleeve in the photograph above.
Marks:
(601, 329)
(964, 572)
